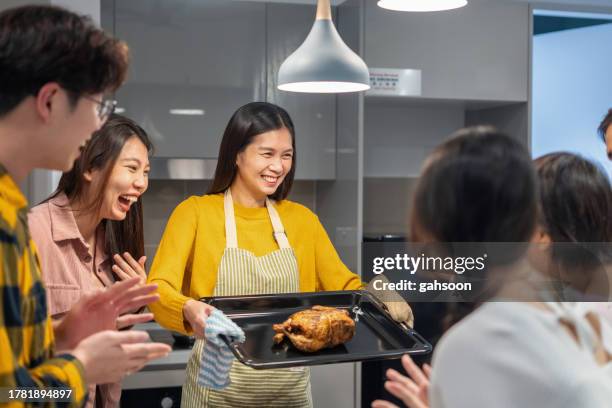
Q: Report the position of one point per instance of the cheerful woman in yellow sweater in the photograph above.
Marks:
(245, 238)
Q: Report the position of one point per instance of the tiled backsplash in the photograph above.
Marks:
(164, 195)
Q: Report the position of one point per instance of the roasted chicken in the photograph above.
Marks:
(317, 328)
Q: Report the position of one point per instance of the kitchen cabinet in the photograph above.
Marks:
(399, 135)
(474, 64)
(478, 52)
(314, 115)
(207, 57)
(211, 57)
(333, 386)
(401, 132)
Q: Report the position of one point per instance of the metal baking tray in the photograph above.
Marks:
(377, 335)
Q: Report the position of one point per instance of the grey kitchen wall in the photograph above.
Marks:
(398, 137)
(399, 134)
(386, 205)
(511, 119)
(475, 70)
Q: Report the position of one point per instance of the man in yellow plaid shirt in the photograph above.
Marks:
(55, 68)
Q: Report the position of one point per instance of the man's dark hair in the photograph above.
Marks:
(604, 125)
(42, 44)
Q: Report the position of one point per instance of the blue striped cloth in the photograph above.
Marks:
(217, 357)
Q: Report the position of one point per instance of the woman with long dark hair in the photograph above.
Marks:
(575, 231)
(244, 237)
(89, 233)
(479, 187)
(575, 224)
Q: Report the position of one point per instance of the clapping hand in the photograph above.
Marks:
(126, 267)
(103, 310)
(108, 356)
(411, 390)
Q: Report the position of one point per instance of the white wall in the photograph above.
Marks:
(572, 90)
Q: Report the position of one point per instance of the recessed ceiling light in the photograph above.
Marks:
(187, 112)
(421, 5)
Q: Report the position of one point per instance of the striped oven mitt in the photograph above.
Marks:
(217, 357)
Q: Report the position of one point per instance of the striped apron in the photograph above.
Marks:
(242, 273)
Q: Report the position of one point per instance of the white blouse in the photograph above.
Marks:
(511, 354)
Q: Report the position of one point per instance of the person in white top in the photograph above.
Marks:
(480, 186)
(575, 228)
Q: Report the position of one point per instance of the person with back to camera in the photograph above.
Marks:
(505, 353)
(244, 237)
(55, 67)
(575, 208)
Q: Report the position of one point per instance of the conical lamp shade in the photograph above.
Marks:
(323, 64)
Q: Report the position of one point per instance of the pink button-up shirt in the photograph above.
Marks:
(67, 264)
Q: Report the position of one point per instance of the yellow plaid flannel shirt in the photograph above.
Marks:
(26, 335)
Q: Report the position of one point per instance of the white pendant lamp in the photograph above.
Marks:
(421, 5)
(323, 63)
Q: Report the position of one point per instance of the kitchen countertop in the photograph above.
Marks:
(164, 372)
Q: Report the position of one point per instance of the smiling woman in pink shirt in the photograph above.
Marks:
(95, 213)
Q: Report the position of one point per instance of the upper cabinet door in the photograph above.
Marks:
(193, 63)
(480, 51)
(313, 115)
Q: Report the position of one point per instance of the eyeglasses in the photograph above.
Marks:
(106, 107)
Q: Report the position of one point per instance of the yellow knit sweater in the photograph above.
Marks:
(187, 260)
